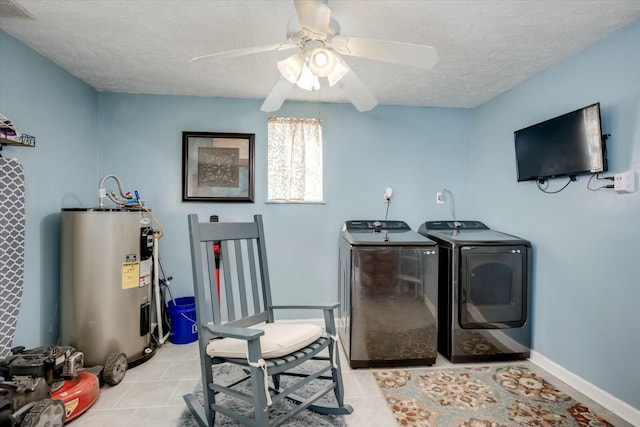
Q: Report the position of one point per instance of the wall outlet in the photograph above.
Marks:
(439, 197)
(625, 182)
(387, 194)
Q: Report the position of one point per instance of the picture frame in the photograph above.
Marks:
(217, 167)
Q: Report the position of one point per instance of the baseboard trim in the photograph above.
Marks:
(604, 398)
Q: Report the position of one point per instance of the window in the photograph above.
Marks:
(295, 160)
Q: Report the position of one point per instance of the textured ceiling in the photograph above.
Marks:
(485, 47)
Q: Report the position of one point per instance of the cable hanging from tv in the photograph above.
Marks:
(542, 181)
(599, 178)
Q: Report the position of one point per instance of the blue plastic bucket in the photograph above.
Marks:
(182, 313)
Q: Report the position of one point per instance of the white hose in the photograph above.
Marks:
(156, 286)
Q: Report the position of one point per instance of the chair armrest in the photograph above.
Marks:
(307, 307)
(327, 312)
(225, 331)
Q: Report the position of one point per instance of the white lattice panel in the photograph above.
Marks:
(12, 220)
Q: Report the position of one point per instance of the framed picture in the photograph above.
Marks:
(217, 167)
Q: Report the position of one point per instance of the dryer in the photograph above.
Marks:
(484, 292)
(388, 278)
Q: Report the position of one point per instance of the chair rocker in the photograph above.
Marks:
(236, 326)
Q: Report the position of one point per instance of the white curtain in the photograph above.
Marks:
(295, 159)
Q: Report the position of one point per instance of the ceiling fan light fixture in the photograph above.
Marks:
(292, 67)
(340, 70)
(308, 80)
(322, 62)
(320, 59)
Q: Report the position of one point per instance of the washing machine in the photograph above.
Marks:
(388, 277)
(484, 292)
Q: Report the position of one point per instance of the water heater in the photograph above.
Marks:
(105, 284)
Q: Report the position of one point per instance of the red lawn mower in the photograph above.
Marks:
(46, 386)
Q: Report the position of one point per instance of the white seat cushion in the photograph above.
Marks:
(279, 339)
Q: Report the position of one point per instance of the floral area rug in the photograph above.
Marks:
(501, 396)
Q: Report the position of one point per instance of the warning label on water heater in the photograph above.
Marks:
(145, 272)
(130, 275)
(136, 274)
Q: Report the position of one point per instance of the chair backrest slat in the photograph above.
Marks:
(253, 270)
(241, 277)
(228, 277)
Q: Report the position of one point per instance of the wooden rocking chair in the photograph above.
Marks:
(236, 326)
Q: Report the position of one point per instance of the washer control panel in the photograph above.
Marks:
(455, 225)
(376, 225)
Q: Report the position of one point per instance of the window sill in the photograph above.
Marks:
(293, 202)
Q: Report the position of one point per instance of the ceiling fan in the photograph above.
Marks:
(320, 48)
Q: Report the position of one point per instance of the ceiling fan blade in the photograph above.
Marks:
(357, 93)
(314, 17)
(278, 94)
(248, 51)
(413, 55)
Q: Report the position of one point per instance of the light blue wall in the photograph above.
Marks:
(60, 111)
(586, 277)
(416, 151)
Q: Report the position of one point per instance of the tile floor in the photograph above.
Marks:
(151, 393)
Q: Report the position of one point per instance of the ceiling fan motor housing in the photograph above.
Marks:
(297, 33)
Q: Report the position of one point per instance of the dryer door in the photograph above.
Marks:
(493, 287)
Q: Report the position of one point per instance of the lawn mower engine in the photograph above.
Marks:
(45, 386)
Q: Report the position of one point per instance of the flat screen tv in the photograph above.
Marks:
(567, 145)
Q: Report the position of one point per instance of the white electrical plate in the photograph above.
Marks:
(388, 192)
(625, 182)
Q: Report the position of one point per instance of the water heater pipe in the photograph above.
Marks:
(102, 192)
